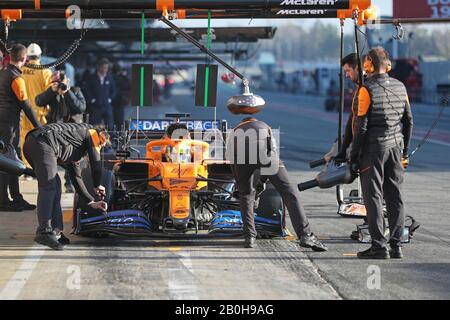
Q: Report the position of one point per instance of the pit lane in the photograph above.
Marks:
(114, 268)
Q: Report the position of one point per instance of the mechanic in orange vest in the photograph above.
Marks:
(37, 82)
(13, 100)
(382, 130)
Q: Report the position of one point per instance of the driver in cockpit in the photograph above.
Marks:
(177, 131)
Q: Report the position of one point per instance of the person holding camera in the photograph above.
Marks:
(67, 104)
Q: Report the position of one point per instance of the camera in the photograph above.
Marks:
(61, 84)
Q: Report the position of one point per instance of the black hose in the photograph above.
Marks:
(308, 185)
(317, 163)
(63, 58)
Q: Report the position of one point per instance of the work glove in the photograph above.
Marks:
(99, 205)
(354, 167)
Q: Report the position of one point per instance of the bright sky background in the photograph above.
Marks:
(385, 6)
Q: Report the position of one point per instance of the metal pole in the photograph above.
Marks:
(202, 47)
(407, 21)
(184, 4)
(339, 188)
(358, 52)
(112, 14)
(341, 88)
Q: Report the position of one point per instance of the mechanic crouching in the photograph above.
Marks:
(67, 104)
(63, 144)
(241, 143)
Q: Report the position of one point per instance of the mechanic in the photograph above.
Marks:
(67, 104)
(382, 134)
(245, 171)
(37, 81)
(64, 144)
(13, 99)
(350, 65)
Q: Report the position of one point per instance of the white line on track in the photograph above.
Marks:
(182, 280)
(15, 285)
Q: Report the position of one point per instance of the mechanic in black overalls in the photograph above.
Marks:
(382, 135)
(245, 169)
(63, 144)
(13, 100)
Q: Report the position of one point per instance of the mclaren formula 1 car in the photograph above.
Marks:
(178, 187)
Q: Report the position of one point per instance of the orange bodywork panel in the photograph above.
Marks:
(178, 178)
(180, 203)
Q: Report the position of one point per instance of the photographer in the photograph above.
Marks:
(67, 104)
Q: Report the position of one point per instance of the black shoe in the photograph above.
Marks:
(11, 207)
(250, 242)
(396, 253)
(62, 239)
(374, 254)
(49, 240)
(24, 204)
(355, 235)
(311, 241)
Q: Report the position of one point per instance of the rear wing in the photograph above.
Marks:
(156, 128)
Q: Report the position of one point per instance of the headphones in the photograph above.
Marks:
(370, 68)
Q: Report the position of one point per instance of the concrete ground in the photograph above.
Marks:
(114, 268)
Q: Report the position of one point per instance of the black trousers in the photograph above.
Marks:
(245, 179)
(42, 158)
(382, 175)
(8, 180)
(119, 114)
(102, 114)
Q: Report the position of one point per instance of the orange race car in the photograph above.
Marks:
(177, 188)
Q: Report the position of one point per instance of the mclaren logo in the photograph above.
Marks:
(301, 12)
(308, 2)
